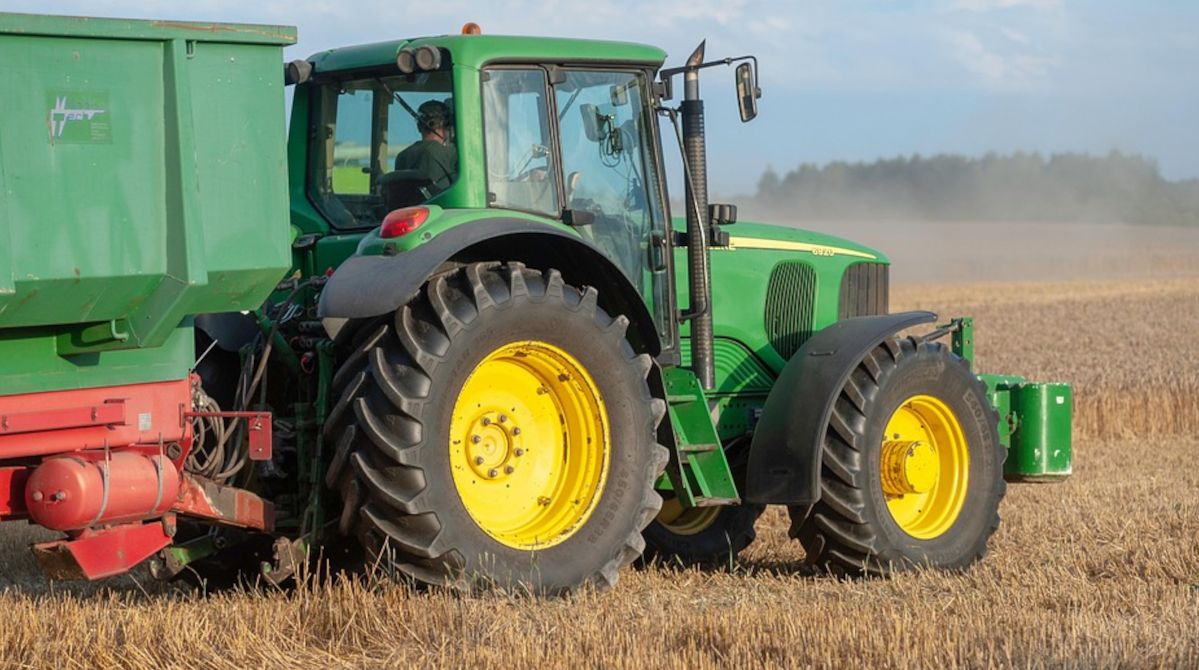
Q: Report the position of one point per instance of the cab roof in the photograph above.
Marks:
(478, 50)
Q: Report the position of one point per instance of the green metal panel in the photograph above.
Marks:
(303, 215)
(31, 363)
(962, 340)
(740, 287)
(7, 284)
(142, 171)
(737, 368)
(999, 391)
(134, 29)
(1041, 447)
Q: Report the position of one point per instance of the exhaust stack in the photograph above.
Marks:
(698, 277)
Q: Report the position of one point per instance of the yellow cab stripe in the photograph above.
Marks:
(782, 245)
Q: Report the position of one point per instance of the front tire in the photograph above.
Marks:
(500, 432)
(912, 467)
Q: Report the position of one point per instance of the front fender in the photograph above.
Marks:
(784, 458)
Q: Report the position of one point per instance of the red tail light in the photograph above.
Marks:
(403, 221)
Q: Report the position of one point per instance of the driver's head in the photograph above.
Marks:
(433, 118)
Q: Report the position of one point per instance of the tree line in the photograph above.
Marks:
(1018, 187)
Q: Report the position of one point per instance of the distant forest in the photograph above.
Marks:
(1019, 187)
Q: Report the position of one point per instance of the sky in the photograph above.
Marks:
(842, 80)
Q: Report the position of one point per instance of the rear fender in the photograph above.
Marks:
(368, 286)
(784, 458)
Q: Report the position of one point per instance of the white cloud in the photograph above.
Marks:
(996, 69)
(976, 57)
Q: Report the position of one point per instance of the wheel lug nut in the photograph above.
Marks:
(486, 421)
(516, 431)
(493, 472)
(503, 418)
(519, 452)
(478, 460)
(476, 439)
(508, 469)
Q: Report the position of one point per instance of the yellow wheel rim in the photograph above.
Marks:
(686, 520)
(529, 445)
(925, 467)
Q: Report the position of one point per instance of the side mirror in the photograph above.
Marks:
(591, 121)
(747, 91)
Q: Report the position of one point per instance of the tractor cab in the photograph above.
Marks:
(472, 125)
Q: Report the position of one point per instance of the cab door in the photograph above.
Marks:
(610, 175)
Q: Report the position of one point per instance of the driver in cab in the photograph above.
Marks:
(434, 157)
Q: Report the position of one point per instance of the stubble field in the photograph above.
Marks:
(1102, 570)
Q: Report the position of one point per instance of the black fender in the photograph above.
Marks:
(368, 286)
(784, 458)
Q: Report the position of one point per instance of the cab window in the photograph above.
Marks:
(521, 173)
(383, 143)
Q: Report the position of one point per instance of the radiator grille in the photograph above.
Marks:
(865, 289)
(790, 301)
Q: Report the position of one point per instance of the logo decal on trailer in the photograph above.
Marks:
(79, 117)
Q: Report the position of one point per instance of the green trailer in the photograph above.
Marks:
(481, 348)
(131, 166)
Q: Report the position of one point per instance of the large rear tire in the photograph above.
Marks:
(499, 432)
(912, 466)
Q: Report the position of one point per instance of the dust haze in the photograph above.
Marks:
(935, 252)
(997, 218)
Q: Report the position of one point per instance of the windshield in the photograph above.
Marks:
(388, 142)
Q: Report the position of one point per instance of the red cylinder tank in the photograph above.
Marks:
(69, 492)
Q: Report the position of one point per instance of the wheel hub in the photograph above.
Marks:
(909, 466)
(495, 447)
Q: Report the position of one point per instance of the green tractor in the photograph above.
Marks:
(497, 360)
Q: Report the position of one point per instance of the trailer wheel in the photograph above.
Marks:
(912, 466)
(705, 535)
(500, 433)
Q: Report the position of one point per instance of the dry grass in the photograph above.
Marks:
(1100, 571)
(1130, 348)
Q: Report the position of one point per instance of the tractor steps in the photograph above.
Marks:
(698, 472)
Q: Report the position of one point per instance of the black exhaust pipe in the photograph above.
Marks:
(699, 276)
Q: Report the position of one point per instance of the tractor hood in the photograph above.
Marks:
(748, 235)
